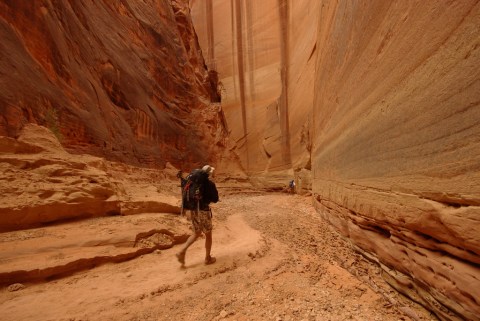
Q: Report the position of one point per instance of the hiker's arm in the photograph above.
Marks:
(213, 192)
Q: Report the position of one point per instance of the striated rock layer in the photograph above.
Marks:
(264, 53)
(41, 183)
(396, 155)
(381, 101)
(120, 79)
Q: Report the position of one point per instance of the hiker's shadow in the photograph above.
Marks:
(191, 266)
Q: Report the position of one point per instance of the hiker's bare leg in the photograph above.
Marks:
(208, 244)
(208, 247)
(191, 239)
(181, 255)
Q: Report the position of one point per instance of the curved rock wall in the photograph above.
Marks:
(396, 154)
(121, 79)
(381, 100)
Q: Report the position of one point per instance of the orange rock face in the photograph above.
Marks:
(42, 183)
(123, 80)
(396, 151)
(381, 101)
(264, 53)
(373, 106)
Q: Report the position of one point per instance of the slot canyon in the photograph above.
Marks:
(371, 107)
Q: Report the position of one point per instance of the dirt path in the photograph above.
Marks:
(276, 260)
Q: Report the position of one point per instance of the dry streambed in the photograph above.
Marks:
(276, 260)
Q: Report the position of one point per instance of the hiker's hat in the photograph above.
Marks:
(208, 169)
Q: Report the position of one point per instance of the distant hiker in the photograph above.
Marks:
(198, 192)
(291, 186)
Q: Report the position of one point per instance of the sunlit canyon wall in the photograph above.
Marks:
(264, 53)
(380, 99)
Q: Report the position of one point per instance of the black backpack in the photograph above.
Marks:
(193, 190)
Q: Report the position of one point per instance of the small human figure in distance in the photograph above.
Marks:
(201, 214)
(291, 186)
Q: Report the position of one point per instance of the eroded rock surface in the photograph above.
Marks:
(396, 156)
(41, 183)
(381, 101)
(265, 55)
(124, 80)
(62, 213)
(269, 267)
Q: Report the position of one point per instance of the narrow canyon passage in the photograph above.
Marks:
(370, 107)
(276, 260)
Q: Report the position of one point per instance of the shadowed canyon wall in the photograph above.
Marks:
(121, 79)
(381, 101)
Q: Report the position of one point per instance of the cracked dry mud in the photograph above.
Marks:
(276, 260)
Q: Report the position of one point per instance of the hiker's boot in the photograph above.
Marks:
(210, 260)
(181, 257)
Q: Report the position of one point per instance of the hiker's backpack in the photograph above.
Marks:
(193, 189)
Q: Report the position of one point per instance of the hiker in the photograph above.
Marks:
(201, 213)
(291, 186)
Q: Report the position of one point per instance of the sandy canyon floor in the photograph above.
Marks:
(276, 260)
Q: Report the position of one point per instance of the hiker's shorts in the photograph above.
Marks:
(202, 221)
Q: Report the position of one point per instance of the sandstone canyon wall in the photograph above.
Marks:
(120, 79)
(381, 101)
(396, 155)
(264, 53)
